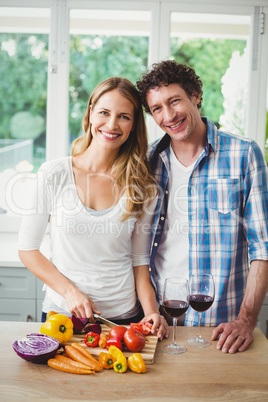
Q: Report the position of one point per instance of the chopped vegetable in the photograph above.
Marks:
(120, 365)
(136, 363)
(67, 367)
(92, 339)
(78, 324)
(144, 328)
(83, 326)
(36, 348)
(95, 327)
(80, 354)
(58, 326)
(103, 340)
(106, 360)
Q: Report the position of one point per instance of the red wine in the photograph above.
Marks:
(175, 308)
(201, 302)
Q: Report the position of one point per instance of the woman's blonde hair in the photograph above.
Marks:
(130, 170)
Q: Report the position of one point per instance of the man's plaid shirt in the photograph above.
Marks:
(227, 213)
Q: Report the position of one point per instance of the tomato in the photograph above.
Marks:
(144, 328)
(134, 340)
(117, 332)
(115, 342)
(137, 327)
(148, 325)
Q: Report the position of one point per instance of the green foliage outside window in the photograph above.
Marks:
(210, 59)
(95, 58)
(23, 71)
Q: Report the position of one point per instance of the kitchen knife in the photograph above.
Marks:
(105, 321)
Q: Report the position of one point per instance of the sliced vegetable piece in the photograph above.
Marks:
(36, 348)
(95, 327)
(144, 328)
(78, 324)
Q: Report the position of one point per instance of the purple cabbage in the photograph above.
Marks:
(36, 348)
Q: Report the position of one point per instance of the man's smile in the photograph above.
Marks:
(176, 125)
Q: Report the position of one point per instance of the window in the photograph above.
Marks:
(23, 89)
(104, 43)
(216, 46)
(53, 53)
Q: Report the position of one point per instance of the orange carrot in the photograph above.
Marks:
(79, 357)
(72, 362)
(69, 368)
(86, 354)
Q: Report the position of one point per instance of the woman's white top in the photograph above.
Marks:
(97, 252)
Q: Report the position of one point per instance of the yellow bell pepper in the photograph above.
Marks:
(58, 326)
(120, 365)
(136, 363)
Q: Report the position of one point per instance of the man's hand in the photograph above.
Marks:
(238, 335)
(233, 336)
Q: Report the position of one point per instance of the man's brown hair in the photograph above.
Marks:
(170, 72)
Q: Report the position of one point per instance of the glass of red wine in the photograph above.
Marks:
(175, 302)
(202, 292)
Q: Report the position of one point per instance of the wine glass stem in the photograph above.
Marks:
(174, 330)
(199, 326)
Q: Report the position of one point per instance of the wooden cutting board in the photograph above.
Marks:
(147, 353)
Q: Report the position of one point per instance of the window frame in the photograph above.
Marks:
(58, 63)
(258, 50)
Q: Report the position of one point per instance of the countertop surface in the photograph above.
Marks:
(197, 375)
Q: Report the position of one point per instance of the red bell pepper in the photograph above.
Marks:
(92, 339)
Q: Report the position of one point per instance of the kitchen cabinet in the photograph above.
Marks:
(20, 295)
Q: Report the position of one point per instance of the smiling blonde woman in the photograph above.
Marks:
(100, 203)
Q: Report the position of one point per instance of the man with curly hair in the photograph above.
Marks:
(212, 209)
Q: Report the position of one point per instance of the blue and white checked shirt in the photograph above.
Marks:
(227, 213)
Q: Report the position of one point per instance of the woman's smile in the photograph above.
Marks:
(109, 135)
